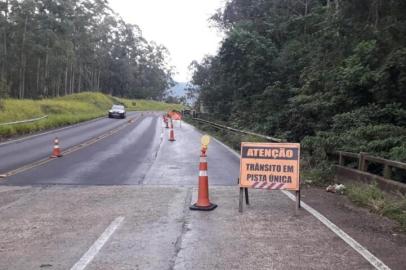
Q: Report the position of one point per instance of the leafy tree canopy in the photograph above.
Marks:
(328, 73)
(58, 47)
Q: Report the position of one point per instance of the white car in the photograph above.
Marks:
(117, 111)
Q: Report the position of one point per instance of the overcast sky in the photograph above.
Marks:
(180, 25)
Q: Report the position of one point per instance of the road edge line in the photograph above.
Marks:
(68, 151)
(28, 137)
(378, 264)
(46, 132)
(365, 253)
(92, 252)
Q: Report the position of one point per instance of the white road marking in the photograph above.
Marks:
(378, 264)
(97, 246)
(48, 132)
(53, 131)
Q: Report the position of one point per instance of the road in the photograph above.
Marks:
(122, 202)
(31, 148)
(139, 153)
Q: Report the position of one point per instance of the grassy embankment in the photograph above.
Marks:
(379, 202)
(66, 110)
(368, 196)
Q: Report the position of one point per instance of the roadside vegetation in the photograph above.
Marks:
(147, 105)
(379, 202)
(368, 196)
(66, 110)
(328, 74)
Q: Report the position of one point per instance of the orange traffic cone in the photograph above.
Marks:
(203, 203)
(56, 152)
(171, 135)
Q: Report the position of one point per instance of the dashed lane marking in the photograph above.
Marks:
(98, 245)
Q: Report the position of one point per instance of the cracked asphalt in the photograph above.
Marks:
(51, 215)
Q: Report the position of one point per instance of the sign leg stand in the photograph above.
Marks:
(297, 202)
(299, 199)
(240, 207)
(247, 201)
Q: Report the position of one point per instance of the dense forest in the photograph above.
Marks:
(58, 47)
(328, 73)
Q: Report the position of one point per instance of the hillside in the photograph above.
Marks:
(328, 74)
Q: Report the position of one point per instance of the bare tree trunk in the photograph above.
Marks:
(73, 83)
(70, 81)
(5, 55)
(306, 11)
(22, 62)
(58, 85)
(80, 78)
(72, 78)
(23, 77)
(378, 4)
(98, 81)
(91, 80)
(38, 71)
(66, 79)
(45, 90)
(94, 80)
(337, 5)
(306, 3)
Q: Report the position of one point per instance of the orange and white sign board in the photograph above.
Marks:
(175, 115)
(270, 165)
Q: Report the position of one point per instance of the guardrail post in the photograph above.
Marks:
(387, 172)
(340, 158)
(362, 164)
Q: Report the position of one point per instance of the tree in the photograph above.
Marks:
(293, 67)
(51, 48)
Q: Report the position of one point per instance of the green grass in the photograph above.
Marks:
(379, 202)
(147, 105)
(66, 110)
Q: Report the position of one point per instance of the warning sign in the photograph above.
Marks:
(175, 115)
(270, 165)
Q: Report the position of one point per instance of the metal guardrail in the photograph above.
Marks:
(238, 131)
(24, 121)
(364, 158)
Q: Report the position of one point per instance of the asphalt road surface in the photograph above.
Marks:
(122, 202)
(139, 153)
(31, 148)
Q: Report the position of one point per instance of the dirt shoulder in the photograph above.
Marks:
(380, 235)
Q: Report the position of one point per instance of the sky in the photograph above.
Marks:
(182, 26)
